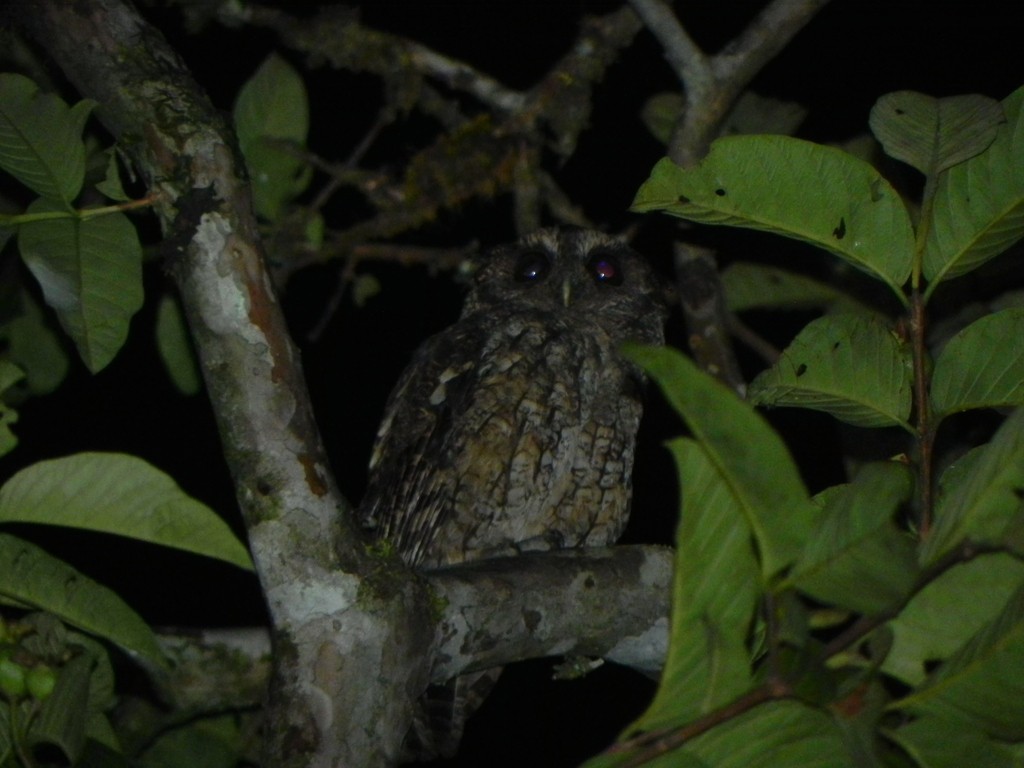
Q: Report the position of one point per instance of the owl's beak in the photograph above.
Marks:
(566, 292)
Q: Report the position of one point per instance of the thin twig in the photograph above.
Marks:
(460, 76)
(769, 32)
(648, 746)
(315, 35)
(686, 58)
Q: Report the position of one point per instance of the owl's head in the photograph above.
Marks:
(573, 272)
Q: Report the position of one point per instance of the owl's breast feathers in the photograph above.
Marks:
(506, 435)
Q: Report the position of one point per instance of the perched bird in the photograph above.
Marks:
(513, 430)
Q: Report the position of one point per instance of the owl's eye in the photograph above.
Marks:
(532, 267)
(605, 269)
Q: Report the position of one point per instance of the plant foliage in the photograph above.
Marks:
(879, 622)
(885, 627)
(57, 684)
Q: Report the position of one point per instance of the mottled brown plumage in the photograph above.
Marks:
(514, 429)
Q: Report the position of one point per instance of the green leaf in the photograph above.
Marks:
(272, 110)
(980, 495)
(948, 611)
(760, 286)
(978, 208)
(32, 577)
(660, 114)
(118, 494)
(90, 271)
(753, 113)
(717, 585)
(35, 347)
(10, 375)
(364, 288)
(850, 366)
(63, 716)
(111, 185)
(173, 343)
(41, 139)
(857, 558)
(795, 188)
(981, 684)
(750, 458)
(978, 369)
(937, 743)
(934, 134)
(779, 733)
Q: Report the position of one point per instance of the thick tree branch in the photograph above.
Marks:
(687, 60)
(611, 603)
(331, 622)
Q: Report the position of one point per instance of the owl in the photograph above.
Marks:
(513, 430)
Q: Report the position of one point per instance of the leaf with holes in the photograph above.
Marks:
(850, 366)
(795, 188)
(934, 134)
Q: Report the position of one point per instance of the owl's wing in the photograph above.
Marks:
(410, 485)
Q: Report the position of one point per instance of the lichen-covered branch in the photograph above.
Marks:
(611, 603)
(490, 144)
(608, 603)
(330, 622)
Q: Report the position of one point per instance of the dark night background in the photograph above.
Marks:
(849, 55)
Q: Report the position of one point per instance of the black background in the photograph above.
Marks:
(850, 54)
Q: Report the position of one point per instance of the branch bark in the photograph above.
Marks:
(611, 603)
(331, 624)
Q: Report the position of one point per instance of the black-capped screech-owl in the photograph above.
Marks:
(513, 430)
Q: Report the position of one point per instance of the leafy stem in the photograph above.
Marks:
(16, 219)
(925, 429)
(650, 745)
(918, 325)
